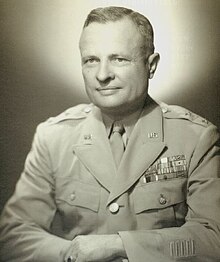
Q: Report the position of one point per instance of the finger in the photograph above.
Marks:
(70, 259)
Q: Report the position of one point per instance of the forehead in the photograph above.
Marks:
(118, 34)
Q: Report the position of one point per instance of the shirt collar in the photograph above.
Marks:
(128, 122)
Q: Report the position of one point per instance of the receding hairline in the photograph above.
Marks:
(102, 28)
(111, 13)
(103, 15)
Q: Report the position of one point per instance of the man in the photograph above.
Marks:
(121, 179)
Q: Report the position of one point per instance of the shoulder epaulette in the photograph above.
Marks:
(75, 113)
(178, 112)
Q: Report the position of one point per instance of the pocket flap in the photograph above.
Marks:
(76, 193)
(160, 194)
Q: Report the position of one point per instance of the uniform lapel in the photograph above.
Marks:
(93, 149)
(145, 145)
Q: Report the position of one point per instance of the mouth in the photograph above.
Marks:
(107, 88)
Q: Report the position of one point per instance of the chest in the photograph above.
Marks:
(157, 199)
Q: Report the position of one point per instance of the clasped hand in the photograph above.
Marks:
(95, 248)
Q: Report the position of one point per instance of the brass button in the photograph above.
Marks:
(88, 137)
(205, 121)
(162, 200)
(164, 110)
(114, 207)
(87, 109)
(72, 196)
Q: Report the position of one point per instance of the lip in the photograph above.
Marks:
(107, 88)
(108, 91)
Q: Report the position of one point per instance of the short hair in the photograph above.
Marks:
(115, 13)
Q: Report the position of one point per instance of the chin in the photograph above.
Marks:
(109, 103)
(115, 109)
(110, 106)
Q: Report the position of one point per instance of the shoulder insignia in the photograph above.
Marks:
(178, 112)
(75, 113)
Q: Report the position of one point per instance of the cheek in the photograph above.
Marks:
(132, 77)
(87, 75)
(138, 82)
(126, 77)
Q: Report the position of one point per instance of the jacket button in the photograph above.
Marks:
(72, 196)
(162, 200)
(114, 207)
(87, 109)
(164, 110)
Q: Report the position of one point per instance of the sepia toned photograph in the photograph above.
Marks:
(110, 117)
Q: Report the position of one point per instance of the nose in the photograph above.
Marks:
(104, 72)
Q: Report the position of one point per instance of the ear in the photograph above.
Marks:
(152, 62)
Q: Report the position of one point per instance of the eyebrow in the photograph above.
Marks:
(83, 58)
(119, 54)
(111, 56)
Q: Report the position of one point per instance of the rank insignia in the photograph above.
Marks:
(152, 135)
(88, 137)
(166, 168)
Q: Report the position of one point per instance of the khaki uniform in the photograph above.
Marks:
(164, 200)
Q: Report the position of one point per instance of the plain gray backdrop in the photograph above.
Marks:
(40, 66)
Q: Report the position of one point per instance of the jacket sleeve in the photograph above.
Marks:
(198, 240)
(24, 234)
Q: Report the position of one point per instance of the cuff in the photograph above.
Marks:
(142, 246)
(52, 249)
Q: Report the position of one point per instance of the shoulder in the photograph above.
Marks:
(181, 113)
(73, 114)
(65, 122)
(190, 126)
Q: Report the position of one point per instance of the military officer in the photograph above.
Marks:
(124, 178)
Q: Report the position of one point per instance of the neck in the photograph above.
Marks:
(120, 113)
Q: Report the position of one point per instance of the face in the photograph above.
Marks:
(114, 66)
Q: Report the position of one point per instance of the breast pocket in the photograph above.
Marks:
(78, 205)
(161, 204)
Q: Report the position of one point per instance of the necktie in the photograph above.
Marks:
(116, 141)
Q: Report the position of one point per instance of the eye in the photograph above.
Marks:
(120, 60)
(91, 61)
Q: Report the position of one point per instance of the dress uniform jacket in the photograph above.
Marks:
(163, 200)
